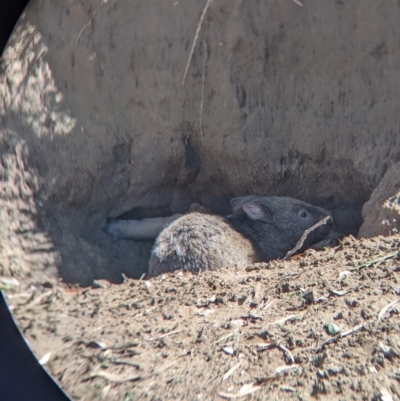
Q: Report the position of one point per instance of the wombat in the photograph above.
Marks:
(259, 229)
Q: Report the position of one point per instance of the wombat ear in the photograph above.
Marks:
(237, 203)
(256, 211)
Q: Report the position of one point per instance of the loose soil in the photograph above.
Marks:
(265, 331)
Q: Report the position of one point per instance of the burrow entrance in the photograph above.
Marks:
(101, 119)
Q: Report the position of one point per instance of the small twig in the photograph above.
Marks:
(123, 347)
(284, 349)
(285, 319)
(114, 378)
(304, 236)
(283, 369)
(171, 333)
(224, 338)
(244, 391)
(230, 372)
(36, 301)
(263, 347)
(196, 36)
(289, 275)
(380, 259)
(386, 308)
(341, 335)
(269, 304)
(212, 379)
(351, 331)
(120, 362)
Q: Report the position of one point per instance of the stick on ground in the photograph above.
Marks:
(304, 236)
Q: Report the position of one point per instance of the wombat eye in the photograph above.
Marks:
(303, 214)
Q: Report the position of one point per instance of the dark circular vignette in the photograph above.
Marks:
(10, 11)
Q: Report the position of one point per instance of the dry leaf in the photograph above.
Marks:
(333, 328)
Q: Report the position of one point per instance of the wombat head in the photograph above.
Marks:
(277, 223)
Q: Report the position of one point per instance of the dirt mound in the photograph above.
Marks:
(95, 121)
(321, 325)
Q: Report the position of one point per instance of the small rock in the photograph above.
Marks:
(352, 303)
(67, 338)
(228, 350)
(366, 314)
(334, 370)
(308, 297)
(319, 360)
